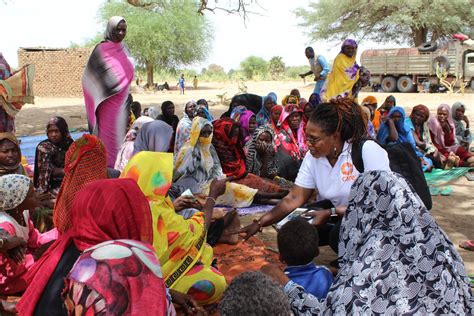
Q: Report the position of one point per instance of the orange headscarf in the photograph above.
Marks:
(85, 162)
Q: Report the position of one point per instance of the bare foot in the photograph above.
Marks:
(227, 238)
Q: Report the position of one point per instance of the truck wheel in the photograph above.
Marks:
(427, 47)
(405, 84)
(389, 84)
(442, 61)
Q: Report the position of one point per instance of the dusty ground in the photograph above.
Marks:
(455, 213)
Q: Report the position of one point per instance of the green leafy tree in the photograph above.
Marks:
(276, 67)
(253, 65)
(401, 21)
(176, 36)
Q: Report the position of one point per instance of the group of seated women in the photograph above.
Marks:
(440, 140)
(142, 242)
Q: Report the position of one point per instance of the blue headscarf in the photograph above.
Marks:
(263, 116)
(404, 132)
(202, 107)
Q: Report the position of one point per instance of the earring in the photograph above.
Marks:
(335, 152)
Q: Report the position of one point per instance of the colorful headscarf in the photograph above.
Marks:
(85, 163)
(5, 70)
(179, 243)
(126, 151)
(294, 145)
(343, 76)
(18, 168)
(103, 210)
(153, 136)
(237, 112)
(369, 100)
(117, 277)
(437, 130)
(253, 161)
(205, 110)
(229, 149)
(244, 125)
(184, 127)
(198, 156)
(404, 132)
(290, 99)
(13, 190)
(276, 128)
(421, 108)
(263, 116)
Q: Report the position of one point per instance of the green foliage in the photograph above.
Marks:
(168, 39)
(276, 67)
(214, 73)
(253, 66)
(294, 72)
(401, 21)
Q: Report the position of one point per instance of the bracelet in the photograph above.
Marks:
(260, 225)
(211, 198)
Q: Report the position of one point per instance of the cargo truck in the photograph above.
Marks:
(404, 69)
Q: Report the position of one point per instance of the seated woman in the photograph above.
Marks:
(248, 124)
(202, 110)
(296, 93)
(230, 153)
(153, 136)
(103, 210)
(432, 282)
(198, 164)
(417, 122)
(10, 155)
(20, 243)
(328, 168)
(461, 122)
(85, 162)
(395, 130)
(126, 151)
(100, 270)
(443, 135)
(290, 99)
(49, 159)
(184, 126)
(263, 116)
(275, 114)
(260, 153)
(290, 142)
(307, 109)
(167, 115)
(180, 244)
(370, 102)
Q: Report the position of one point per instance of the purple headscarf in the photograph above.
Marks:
(244, 124)
(349, 42)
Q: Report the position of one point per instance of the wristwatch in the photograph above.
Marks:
(333, 212)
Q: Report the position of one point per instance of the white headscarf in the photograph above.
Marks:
(13, 191)
(111, 26)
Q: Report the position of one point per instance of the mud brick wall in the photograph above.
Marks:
(58, 71)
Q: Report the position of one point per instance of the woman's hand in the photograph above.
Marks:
(187, 303)
(248, 230)
(218, 187)
(14, 248)
(320, 217)
(184, 202)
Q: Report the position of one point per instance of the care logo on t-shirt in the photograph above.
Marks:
(347, 169)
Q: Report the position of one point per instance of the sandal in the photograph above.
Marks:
(467, 244)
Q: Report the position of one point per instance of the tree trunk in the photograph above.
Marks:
(419, 35)
(149, 74)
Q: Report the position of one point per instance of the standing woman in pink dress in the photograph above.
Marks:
(106, 84)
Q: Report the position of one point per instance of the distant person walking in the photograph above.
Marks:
(319, 68)
(195, 82)
(106, 84)
(181, 84)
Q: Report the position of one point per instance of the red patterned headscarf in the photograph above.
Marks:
(85, 162)
(229, 149)
(103, 210)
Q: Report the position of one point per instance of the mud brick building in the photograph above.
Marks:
(58, 70)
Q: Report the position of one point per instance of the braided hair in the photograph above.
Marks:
(341, 115)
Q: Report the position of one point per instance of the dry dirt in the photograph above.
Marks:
(455, 213)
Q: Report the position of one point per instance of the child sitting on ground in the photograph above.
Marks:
(298, 246)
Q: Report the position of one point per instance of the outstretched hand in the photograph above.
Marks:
(248, 230)
(218, 186)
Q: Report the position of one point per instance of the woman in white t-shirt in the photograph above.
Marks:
(327, 167)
